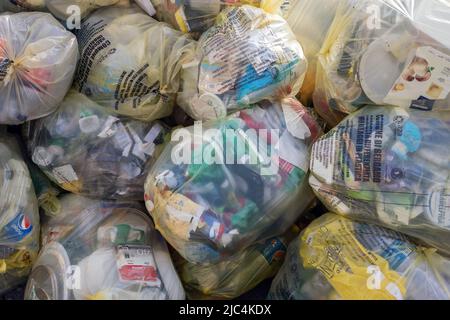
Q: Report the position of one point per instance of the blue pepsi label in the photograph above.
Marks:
(18, 228)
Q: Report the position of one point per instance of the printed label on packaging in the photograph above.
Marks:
(426, 77)
(352, 152)
(323, 157)
(329, 195)
(126, 87)
(439, 205)
(230, 55)
(293, 117)
(136, 264)
(95, 47)
(273, 250)
(183, 214)
(41, 157)
(181, 19)
(65, 174)
(397, 252)
(353, 270)
(109, 129)
(5, 70)
(18, 228)
(293, 151)
(184, 208)
(123, 140)
(132, 87)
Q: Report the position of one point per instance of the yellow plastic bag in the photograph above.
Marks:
(130, 63)
(388, 165)
(247, 56)
(385, 52)
(310, 21)
(337, 258)
(237, 274)
(196, 16)
(238, 180)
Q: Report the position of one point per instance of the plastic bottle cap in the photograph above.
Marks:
(89, 124)
(56, 150)
(171, 181)
(378, 71)
(209, 106)
(42, 157)
(131, 170)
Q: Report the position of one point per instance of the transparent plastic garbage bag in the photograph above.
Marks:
(247, 56)
(19, 216)
(197, 16)
(336, 258)
(63, 9)
(130, 63)
(310, 21)
(85, 149)
(38, 58)
(390, 166)
(102, 250)
(221, 186)
(238, 274)
(22, 5)
(386, 52)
